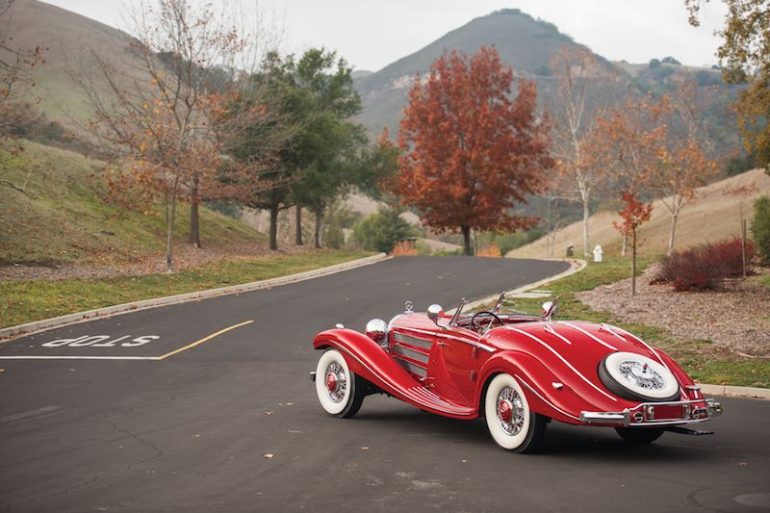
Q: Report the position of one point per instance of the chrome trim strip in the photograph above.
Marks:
(552, 331)
(600, 416)
(414, 369)
(411, 353)
(413, 341)
(560, 357)
(591, 335)
(419, 330)
(546, 401)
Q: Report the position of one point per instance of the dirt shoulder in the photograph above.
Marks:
(735, 320)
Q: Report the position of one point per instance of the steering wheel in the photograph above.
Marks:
(487, 313)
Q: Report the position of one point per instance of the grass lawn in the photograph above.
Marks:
(703, 365)
(35, 300)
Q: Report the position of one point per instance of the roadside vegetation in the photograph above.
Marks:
(27, 301)
(698, 357)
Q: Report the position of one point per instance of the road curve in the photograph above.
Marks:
(194, 408)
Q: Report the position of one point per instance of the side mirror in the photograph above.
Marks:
(434, 312)
(549, 309)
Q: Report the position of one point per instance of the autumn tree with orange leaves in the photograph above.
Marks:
(471, 151)
(633, 215)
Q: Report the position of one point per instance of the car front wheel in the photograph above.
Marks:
(339, 390)
(510, 421)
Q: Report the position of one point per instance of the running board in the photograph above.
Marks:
(687, 431)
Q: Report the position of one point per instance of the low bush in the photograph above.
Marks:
(705, 267)
(404, 248)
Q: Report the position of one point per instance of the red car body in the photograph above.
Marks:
(446, 367)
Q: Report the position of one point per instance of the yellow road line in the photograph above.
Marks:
(204, 339)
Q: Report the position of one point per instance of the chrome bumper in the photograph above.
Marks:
(644, 414)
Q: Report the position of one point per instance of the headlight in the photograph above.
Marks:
(376, 329)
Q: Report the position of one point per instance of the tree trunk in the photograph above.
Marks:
(633, 263)
(298, 223)
(586, 234)
(170, 217)
(467, 249)
(274, 227)
(195, 234)
(674, 219)
(318, 220)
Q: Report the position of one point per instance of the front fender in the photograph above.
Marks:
(367, 359)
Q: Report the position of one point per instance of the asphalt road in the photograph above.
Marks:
(232, 424)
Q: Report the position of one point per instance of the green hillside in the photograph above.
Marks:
(62, 217)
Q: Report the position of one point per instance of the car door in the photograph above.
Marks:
(456, 360)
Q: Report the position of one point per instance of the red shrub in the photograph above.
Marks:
(704, 267)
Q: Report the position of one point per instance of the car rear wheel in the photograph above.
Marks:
(339, 390)
(511, 423)
(639, 436)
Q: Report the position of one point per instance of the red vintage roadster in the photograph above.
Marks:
(517, 371)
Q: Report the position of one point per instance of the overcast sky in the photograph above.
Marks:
(371, 34)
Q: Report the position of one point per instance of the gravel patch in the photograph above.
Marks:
(735, 319)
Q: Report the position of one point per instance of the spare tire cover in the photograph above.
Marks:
(638, 378)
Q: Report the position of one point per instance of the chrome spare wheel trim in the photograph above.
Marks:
(644, 414)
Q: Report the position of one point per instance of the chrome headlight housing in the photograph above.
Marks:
(377, 329)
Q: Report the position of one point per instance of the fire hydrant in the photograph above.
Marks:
(598, 254)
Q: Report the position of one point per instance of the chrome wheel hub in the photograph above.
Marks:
(336, 382)
(642, 375)
(510, 411)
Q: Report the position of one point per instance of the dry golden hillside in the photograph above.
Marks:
(714, 216)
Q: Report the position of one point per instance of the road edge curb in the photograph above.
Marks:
(12, 332)
(576, 265)
(735, 391)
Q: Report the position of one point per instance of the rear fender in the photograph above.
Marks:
(689, 389)
(540, 386)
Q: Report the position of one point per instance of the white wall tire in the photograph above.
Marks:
(511, 423)
(637, 377)
(339, 390)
